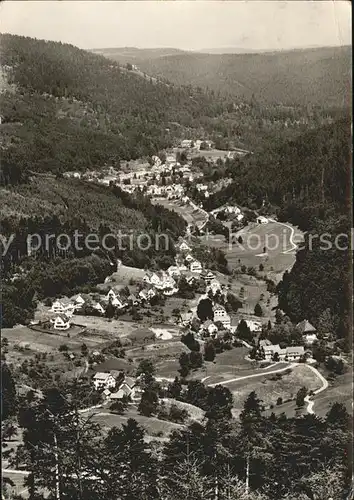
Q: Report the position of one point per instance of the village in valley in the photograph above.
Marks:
(175, 238)
(192, 320)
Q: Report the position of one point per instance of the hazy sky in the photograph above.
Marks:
(182, 24)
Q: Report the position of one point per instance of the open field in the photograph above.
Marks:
(207, 153)
(278, 239)
(123, 276)
(188, 212)
(270, 388)
(227, 364)
(340, 391)
(195, 413)
(153, 426)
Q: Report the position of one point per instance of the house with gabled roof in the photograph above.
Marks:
(98, 307)
(220, 315)
(147, 277)
(127, 387)
(173, 271)
(291, 353)
(183, 247)
(78, 300)
(151, 293)
(132, 299)
(189, 258)
(115, 299)
(308, 331)
(195, 267)
(306, 327)
(209, 276)
(186, 318)
(214, 286)
(61, 322)
(104, 380)
(143, 295)
(210, 328)
(63, 306)
(294, 353)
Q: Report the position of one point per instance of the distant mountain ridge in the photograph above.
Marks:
(315, 76)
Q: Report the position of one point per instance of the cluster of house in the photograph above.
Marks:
(153, 283)
(63, 310)
(196, 144)
(116, 385)
(221, 318)
(271, 352)
(231, 210)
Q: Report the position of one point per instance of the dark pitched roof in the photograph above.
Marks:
(306, 327)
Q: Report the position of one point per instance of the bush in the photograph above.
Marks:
(118, 407)
(177, 415)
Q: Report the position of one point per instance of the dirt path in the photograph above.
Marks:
(261, 374)
(308, 400)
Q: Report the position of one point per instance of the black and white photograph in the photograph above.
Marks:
(176, 250)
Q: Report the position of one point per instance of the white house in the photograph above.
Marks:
(270, 350)
(174, 271)
(186, 318)
(295, 353)
(170, 291)
(61, 322)
(104, 380)
(183, 247)
(157, 280)
(262, 220)
(143, 295)
(63, 306)
(189, 258)
(232, 210)
(309, 338)
(195, 267)
(115, 299)
(127, 387)
(292, 353)
(78, 300)
(214, 287)
(98, 307)
(254, 326)
(208, 277)
(210, 327)
(202, 187)
(147, 277)
(151, 293)
(221, 315)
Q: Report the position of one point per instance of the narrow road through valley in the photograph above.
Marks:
(324, 386)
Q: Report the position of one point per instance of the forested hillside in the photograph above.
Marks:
(311, 76)
(308, 171)
(64, 108)
(307, 181)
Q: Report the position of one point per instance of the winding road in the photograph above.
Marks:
(310, 403)
(308, 399)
